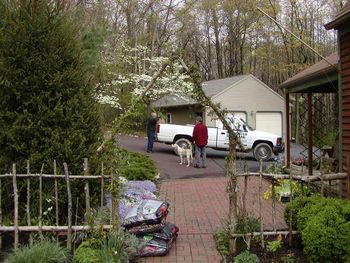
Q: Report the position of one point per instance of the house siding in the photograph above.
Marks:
(344, 49)
(182, 115)
(251, 96)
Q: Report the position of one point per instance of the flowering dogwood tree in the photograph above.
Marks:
(129, 70)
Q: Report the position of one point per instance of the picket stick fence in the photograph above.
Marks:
(40, 228)
(320, 177)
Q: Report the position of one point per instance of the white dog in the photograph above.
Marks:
(183, 152)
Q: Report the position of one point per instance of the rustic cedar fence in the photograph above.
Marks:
(321, 177)
(40, 228)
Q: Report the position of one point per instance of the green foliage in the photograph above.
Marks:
(324, 226)
(85, 254)
(295, 206)
(115, 247)
(247, 224)
(131, 165)
(139, 167)
(275, 168)
(286, 187)
(244, 224)
(222, 239)
(47, 110)
(46, 251)
(288, 259)
(274, 245)
(246, 257)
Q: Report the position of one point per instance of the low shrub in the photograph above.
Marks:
(246, 257)
(295, 206)
(86, 254)
(131, 165)
(324, 227)
(45, 251)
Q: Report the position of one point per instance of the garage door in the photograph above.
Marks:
(269, 122)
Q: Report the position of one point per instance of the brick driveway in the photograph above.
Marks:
(199, 204)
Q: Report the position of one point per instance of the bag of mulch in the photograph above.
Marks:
(155, 246)
(168, 232)
(147, 212)
(165, 231)
(146, 229)
(138, 194)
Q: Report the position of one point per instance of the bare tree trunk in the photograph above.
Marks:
(217, 41)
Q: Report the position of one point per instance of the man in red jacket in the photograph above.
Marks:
(200, 140)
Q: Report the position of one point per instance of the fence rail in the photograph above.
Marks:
(67, 229)
(40, 227)
(321, 177)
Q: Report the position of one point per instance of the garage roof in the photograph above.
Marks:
(210, 88)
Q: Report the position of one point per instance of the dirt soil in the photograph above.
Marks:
(293, 252)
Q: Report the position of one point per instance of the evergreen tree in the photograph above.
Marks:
(47, 110)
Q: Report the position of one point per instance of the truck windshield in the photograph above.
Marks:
(247, 125)
(239, 124)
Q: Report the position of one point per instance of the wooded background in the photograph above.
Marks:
(226, 37)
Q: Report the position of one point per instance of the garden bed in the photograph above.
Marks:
(285, 253)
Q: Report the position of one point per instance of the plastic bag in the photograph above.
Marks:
(147, 212)
(168, 232)
(155, 246)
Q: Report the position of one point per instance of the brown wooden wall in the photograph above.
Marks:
(345, 79)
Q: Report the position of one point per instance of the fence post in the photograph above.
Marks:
(87, 191)
(41, 202)
(322, 181)
(15, 196)
(290, 211)
(28, 203)
(69, 194)
(102, 185)
(56, 191)
(245, 195)
(348, 176)
(0, 212)
(273, 205)
(260, 206)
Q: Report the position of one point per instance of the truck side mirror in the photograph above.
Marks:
(245, 128)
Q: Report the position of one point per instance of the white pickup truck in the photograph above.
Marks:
(262, 143)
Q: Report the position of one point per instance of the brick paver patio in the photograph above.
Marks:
(198, 203)
(197, 207)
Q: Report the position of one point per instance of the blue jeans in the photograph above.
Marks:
(150, 140)
(201, 156)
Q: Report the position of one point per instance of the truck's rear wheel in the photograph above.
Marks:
(183, 143)
(262, 151)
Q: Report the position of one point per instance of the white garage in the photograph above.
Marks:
(245, 96)
(269, 122)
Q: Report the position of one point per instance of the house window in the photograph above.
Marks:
(168, 118)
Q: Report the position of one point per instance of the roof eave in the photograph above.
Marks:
(306, 78)
(336, 23)
(311, 83)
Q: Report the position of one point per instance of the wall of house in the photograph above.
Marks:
(344, 49)
(182, 115)
(249, 97)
